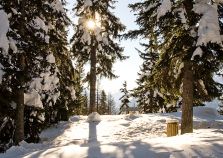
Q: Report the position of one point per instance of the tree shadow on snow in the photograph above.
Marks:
(139, 149)
(93, 143)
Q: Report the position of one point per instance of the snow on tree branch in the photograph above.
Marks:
(164, 8)
(208, 30)
(4, 27)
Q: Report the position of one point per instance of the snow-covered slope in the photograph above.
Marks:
(127, 136)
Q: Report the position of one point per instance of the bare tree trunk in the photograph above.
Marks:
(93, 80)
(187, 107)
(19, 120)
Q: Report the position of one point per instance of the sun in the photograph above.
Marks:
(91, 24)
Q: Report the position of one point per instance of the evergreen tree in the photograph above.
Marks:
(85, 111)
(58, 23)
(79, 106)
(149, 100)
(34, 42)
(189, 49)
(21, 60)
(111, 105)
(94, 40)
(103, 108)
(124, 99)
(149, 96)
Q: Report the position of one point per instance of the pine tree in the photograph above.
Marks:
(149, 99)
(79, 106)
(103, 108)
(65, 96)
(149, 96)
(111, 105)
(94, 40)
(85, 111)
(188, 54)
(21, 59)
(33, 47)
(124, 99)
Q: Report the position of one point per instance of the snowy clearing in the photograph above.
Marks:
(127, 136)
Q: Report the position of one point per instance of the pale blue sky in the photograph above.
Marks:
(126, 70)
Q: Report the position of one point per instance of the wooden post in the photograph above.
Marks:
(172, 128)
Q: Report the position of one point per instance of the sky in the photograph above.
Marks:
(126, 70)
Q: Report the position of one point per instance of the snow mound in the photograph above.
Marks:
(94, 117)
(74, 118)
(206, 113)
(131, 116)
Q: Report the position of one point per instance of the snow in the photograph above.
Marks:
(172, 121)
(14, 11)
(50, 59)
(218, 1)
(72, 92)
(12, 45)
(94, 117)
(197, 52)
(182, 15)
(38, 23)
(41, 117)
(201, 82)
(47, 83)
(50, 81)
(164, 8)
(179, 70)
(55, 97)
(4, 27)
(209, 29)
(33, 99)
(47, 39)
(57, 6)
(86, 37)
(13, 105)
(105, 40)
(127, 136)
(88, 3)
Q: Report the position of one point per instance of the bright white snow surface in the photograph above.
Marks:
(94, 117)
(127, 136)
(4, 27)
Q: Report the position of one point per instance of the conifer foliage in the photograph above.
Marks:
(103, 106)
(189, 49)
(124, 108)
(94, 40)
(149, 100)
(33, 50)
(111, 105)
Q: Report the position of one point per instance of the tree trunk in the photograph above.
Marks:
(187, 107)
(19, 120)
(93, 80)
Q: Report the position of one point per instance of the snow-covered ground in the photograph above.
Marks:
(127, 136)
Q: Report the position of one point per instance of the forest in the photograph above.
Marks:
(47, 78)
